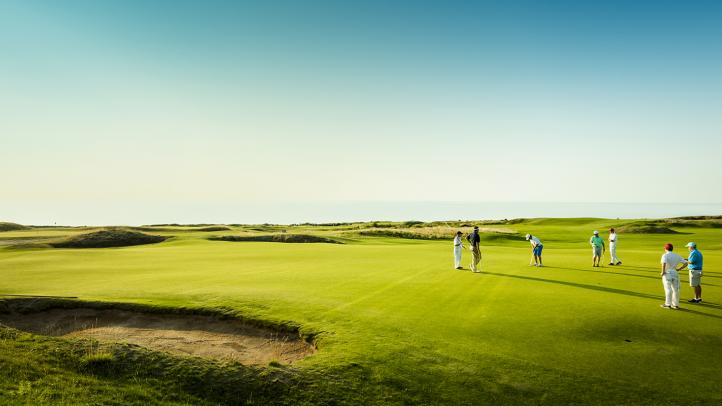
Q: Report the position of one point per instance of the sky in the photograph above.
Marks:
(179, 111)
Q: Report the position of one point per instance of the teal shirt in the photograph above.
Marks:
(596, 241)
(695, 260)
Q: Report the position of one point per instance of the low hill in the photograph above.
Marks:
(174, 228)
(5, 226)
(647, 229)
(108, 238)
(287, 238)
(440, 234)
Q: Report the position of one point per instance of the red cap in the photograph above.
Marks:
(668, 246)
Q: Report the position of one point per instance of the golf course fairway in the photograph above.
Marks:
(391, 320)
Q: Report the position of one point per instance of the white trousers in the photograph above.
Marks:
(457, 256)
(613, 253)
(670, 281)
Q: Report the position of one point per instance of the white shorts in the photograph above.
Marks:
(695, 278)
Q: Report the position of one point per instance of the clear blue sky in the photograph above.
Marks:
(106, 104)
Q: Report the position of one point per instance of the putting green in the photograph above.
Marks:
(395, 323)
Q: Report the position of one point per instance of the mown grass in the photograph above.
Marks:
(394, 323)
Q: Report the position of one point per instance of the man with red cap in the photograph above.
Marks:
(670, 277)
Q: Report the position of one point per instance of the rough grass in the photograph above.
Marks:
(5, 226)
(171, 228)
(42, 370)
(443, 233)
(213, 228)
(283, 238)
(691, 223)
(646, 229)
(108, 238)
(698, 218)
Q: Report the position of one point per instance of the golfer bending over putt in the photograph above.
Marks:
(536, 249)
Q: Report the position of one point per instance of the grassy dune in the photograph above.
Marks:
(394, 323)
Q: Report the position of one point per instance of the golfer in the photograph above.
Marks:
(474, 240)
(536, 249)
(597, 244)
(670, 277)
(695, 272)
(458, 245)
(613, 259)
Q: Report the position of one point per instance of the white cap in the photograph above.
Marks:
(596, 232)
(692, 244)
(528, 236)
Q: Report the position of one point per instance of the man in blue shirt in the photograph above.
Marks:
(695, 272)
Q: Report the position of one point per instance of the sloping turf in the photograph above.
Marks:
(396, 324)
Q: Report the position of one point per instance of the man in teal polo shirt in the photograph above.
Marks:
(597, 244)
(695, 272)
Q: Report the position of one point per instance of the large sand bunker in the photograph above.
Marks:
(195, 335)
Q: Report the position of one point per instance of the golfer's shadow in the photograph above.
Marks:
(611, 272)
(656, 270)
(605, 289)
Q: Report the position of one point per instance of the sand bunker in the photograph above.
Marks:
(201, 336)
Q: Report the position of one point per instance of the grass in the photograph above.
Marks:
(394, 323)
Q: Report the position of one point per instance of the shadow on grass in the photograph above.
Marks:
(604, 289)
(686, 309)
(642, 268)
(652, 269)
(614, 272)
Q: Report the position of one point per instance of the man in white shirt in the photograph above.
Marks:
(613, 259)
(458, 245)
(670, 277)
